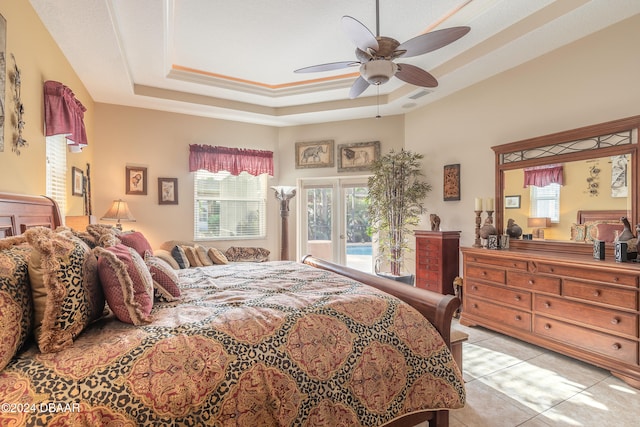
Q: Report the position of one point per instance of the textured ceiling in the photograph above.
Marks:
(235, 59)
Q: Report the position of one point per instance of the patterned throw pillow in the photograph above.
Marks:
(202, 256)
(16, 305)
(192, 256)
(137, 241)
(165, 279)
(217, 256)
(247, 254)
(167, 257)
(67, 295)
(181, 258)
(127, 283)
(578, 232)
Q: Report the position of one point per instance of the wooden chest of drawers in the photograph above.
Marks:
(437, 260)
(574, 305)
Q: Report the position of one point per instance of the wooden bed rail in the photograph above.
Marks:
(437, 308)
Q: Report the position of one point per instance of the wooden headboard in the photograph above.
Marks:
(588, 216)
(19, 212)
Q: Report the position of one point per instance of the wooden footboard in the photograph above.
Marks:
(437, 308)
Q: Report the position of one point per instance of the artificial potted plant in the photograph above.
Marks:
(396, 194)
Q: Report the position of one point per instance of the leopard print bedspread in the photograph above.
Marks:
(270, 344)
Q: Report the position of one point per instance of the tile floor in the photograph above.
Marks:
(511, 383)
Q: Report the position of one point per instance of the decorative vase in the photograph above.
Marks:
(513, 230)
(488, 229)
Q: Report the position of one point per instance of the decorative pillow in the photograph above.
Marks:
(137, 241)
(181, 258)
(608, 232)
(578, 232)
(16, 303)
(67, 295)
(104, 235)
(127, 283)
(246, 254)
(202, 256)
(165, 279)
(167, 257)
(217, 256)
(170, 244)
(591, 232)
(192, 256)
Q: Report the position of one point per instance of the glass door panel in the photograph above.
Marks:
(318, 231)
(356, 240)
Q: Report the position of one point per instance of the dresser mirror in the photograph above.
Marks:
(597, 170)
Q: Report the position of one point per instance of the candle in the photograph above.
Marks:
(489, 204)
(478, 204)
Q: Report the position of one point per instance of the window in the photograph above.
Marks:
(229, 207)
(56, 170)
(545, 202)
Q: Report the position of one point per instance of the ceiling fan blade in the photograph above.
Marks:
(415, 76)
(358, 87)
(327, 67)
(431, 41)
(359, 34)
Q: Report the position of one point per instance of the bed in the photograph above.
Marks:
(274, 343)
(601, 225)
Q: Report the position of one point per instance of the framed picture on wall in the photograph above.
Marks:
(77, 181)
(451, 179)
(357, 156)
(512, 202)
(167, 191)
(316, 154)
(136, 180)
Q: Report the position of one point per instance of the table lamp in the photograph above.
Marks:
(119, 211)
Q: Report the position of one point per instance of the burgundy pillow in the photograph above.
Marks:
(607, 232)
(127, 283)
(137, 241)
(165, 279)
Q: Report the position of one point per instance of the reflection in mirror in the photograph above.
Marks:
(593, 185)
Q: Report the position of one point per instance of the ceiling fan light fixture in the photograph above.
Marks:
(378, 71)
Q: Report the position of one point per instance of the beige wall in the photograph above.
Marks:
(39, 59)
(160, 142)
(591, 81)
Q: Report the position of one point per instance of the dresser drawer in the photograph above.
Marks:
(485, 273)
(514, 298)
(501, 262)
(534, 282)
(618, 297)
(590, 274)
(508, 316)
(593, 341)
(615, 321)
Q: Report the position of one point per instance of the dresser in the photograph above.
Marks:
(437, 260)
(572, 304)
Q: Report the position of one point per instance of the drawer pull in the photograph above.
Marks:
(547, 305)
(517, 298)
(484, 273)
(616, 346)
(616, 279)
(518, 317)
(474, 305)
(531, 281)
(547, 326)
(596, 293)
(551, 270)
(615, 321)
(474, 288)
(515, 264)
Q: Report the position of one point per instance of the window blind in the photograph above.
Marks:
(56, 170)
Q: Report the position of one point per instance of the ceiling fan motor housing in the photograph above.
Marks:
(378, 71)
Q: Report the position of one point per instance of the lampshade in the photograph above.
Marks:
(378, 71)
(541, 222)
(119, 211)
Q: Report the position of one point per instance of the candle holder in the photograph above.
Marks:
(490, 217)
(477, 243)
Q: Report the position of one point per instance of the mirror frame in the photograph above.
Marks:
(587, 132)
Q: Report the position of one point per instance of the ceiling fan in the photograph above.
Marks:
(375, 55)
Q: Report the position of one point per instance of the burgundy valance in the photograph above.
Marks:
(541, 176)
(64, 115)
(233, 160)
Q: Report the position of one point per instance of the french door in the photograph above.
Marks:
(333, 221)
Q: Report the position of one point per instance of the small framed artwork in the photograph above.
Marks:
(512, 202)
(167, 191)
(451, 190)
(136, 180)
(77, 181)
(317, 154)
(357, 156)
